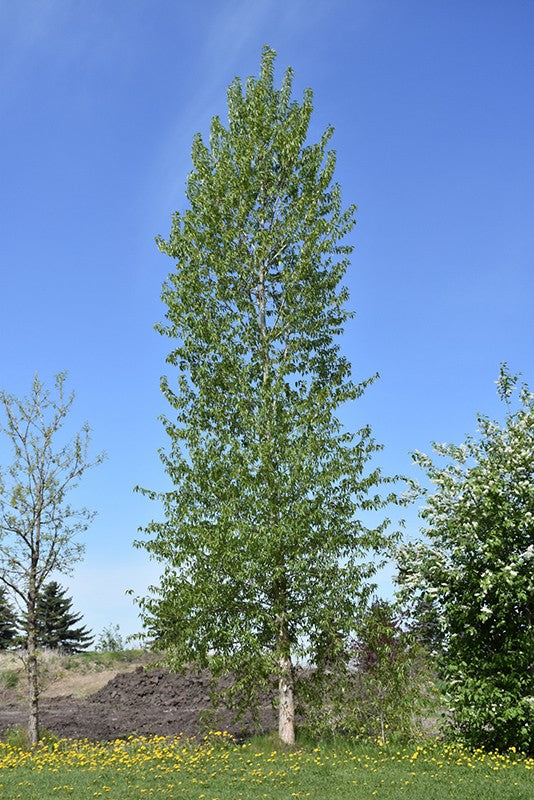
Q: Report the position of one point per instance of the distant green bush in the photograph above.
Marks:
(110, 640)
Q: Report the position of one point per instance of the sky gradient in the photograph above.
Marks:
(99, 101)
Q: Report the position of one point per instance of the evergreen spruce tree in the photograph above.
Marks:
(264, 549)
(8, 622)
(56, 624)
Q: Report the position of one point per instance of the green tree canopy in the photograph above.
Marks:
(8, 622)
(56, 624)
(262, 539)
(474, 572)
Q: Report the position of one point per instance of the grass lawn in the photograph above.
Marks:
(219, 769)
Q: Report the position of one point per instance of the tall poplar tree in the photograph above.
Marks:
(264, 551)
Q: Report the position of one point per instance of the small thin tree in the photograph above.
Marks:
(264, 548)
(38, 528)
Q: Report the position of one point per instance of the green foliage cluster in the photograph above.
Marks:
(379, 684)
(110, 640)
(475, 573)
(393, 674)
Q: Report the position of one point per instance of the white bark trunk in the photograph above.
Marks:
(286, 711)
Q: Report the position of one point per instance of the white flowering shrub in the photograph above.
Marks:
(474, 572)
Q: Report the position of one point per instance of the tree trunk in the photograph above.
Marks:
(33, 689)
(286, 701)
(286, 710)
(32, 673)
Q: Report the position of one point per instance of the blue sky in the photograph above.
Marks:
(99, 102)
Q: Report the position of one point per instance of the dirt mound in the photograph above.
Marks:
(161, 687)
(153, 701)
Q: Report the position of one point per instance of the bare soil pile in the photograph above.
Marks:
(153, 701)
